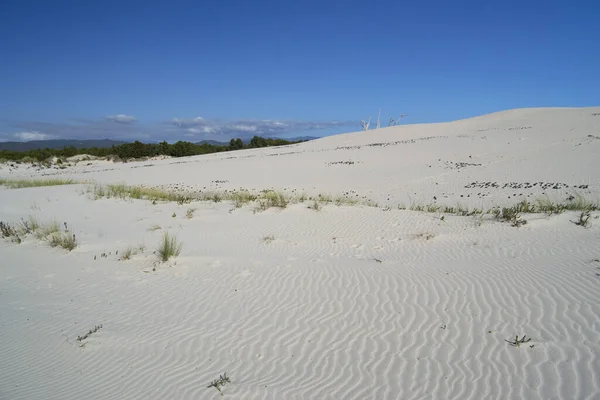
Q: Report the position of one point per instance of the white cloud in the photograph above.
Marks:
(32, 135)
(244, 128)
(121, 118)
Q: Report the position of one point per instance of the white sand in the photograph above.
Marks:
(348, 302)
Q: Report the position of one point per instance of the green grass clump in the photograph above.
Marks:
(315, 205)
(271, 198)
(168, 247)
(52, 233)
(27, 183)
(509, 214)
(31, 225)
(241, 198)
(49, 232)
(122, 191)
(131, 251)
(127, 253)
(65, 239)
(189, 214)
(45, 231)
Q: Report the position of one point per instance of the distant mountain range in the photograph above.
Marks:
(57, 144)
(85, 144)
(246, 141)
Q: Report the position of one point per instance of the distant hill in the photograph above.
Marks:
(57, 144)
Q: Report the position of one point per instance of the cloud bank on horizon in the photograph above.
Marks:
(129, 128)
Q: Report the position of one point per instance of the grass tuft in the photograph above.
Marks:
(168, 247)
(271, 198)
(65, 239)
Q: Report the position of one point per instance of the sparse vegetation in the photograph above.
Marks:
(315, 205)
(9, 232)
(81, 339)
(64, 239)
(122, 191)
(271, 198)
(219, 383)
(268, 239)
(127, 253)
(169, 247)
(241, 198)
(584, 219)
(49, 232)
(518, 342)
(189, 214)
(27, 183)
(154, 228)
(30, 225)
(511, 215)
(425, 236)
(46, 230)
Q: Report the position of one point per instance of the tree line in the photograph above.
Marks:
(138, 149)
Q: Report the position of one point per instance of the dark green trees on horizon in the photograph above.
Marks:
(138, 149)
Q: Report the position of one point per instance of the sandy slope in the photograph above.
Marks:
(343, 303)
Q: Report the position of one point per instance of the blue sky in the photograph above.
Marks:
(194, 70)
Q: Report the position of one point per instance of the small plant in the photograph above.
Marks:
(29, 226)
(241, 198)
(270, 199)
(154, 228)
(127, 253)
(218, 383)
(425, 236)
(174, 215)
(89, 333)
(315, 205)
(43, 232)
(509, 214)
(169, 247)
(8, 232)
(189, 214)
(584, 219)
(518, 342)
(66, 240)
(268, 239)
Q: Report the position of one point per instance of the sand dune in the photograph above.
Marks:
(348, 302)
